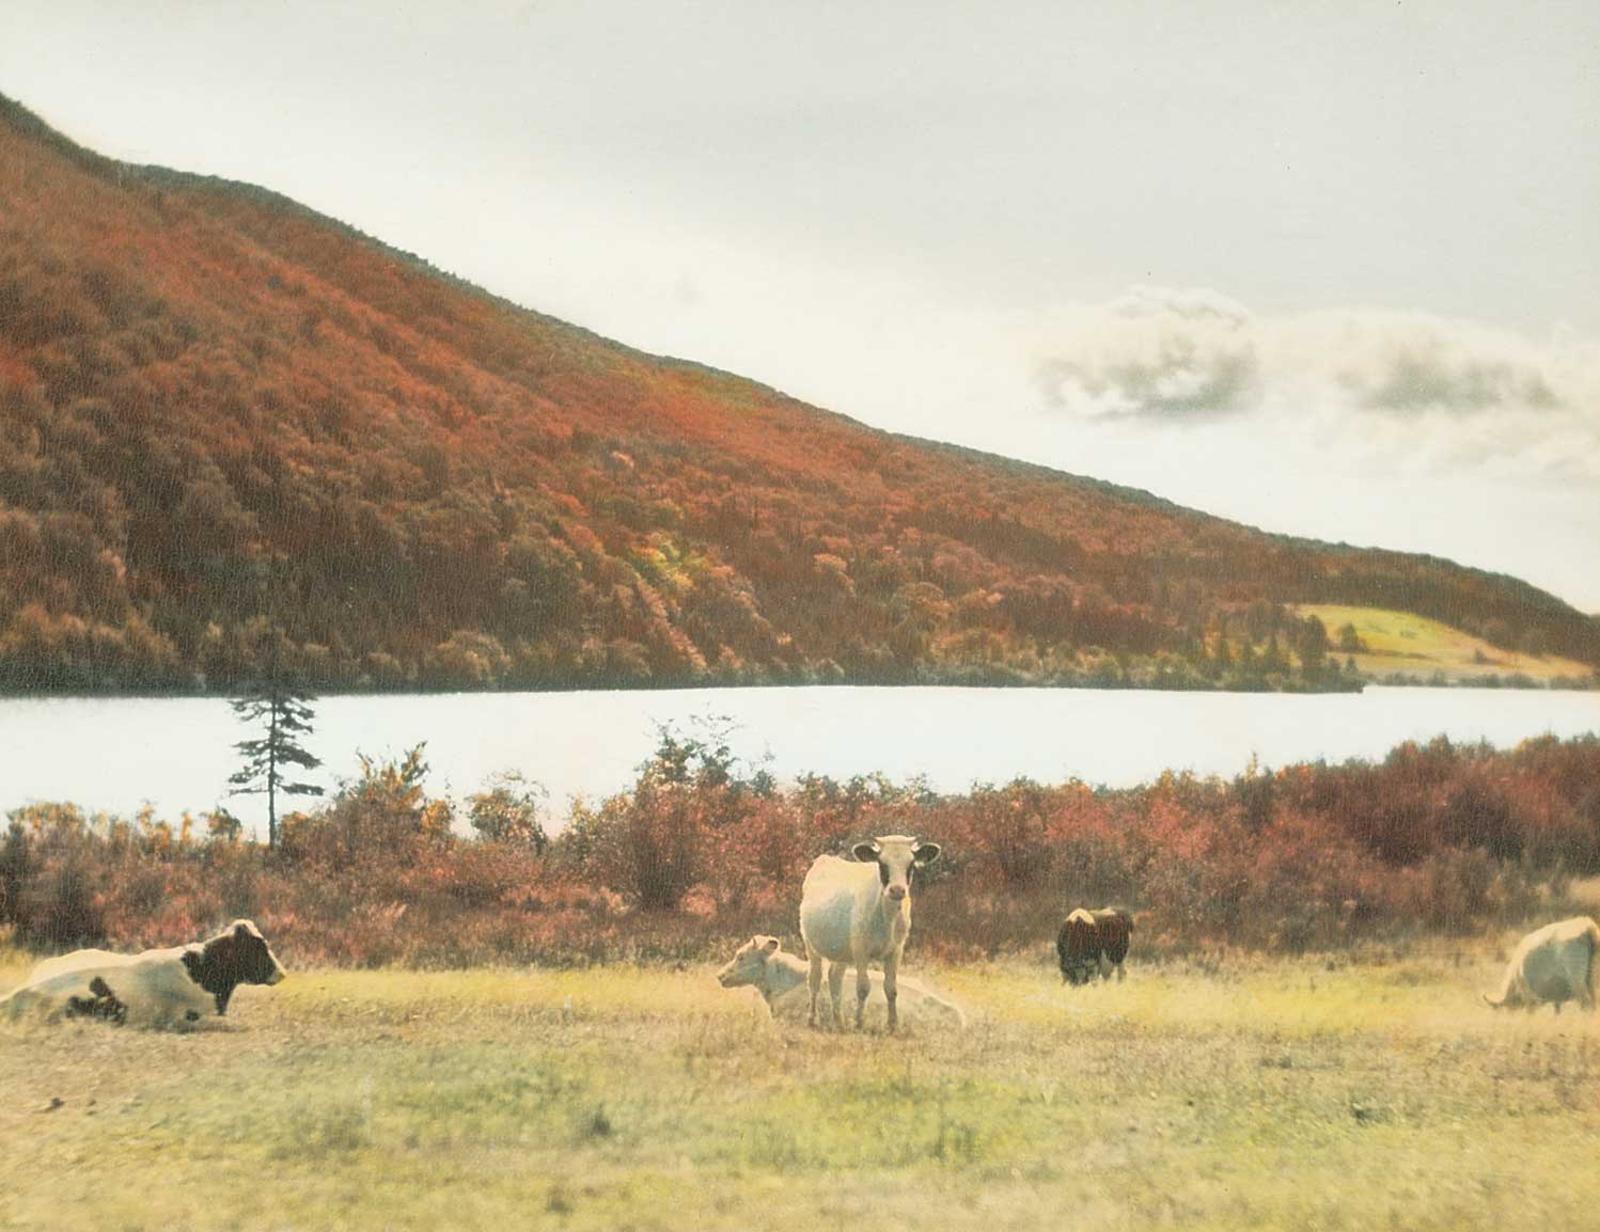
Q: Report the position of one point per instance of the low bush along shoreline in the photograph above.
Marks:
(698, 854)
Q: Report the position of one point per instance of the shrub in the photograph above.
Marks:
(508, 812)
(699, 853)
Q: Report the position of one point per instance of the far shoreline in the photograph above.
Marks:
(1487, 683)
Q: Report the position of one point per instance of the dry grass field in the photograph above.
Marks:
(1249, 1093)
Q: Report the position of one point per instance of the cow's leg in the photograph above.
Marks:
(1121, 973)
(836, 992)
(1103, 965)
(863, 987)
(814, 984)
(891, 971)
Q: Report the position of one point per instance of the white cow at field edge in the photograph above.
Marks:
(780, 977)
(1552, 964)
(153, 988)
(859, 912)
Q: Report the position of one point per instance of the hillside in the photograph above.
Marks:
(222, 413)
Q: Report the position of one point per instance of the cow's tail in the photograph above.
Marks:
(1506, 986)
(1593, 932)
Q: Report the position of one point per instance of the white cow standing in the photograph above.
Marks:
(859, 912)
(1552, 964)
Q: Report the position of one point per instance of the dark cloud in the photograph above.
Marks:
(1422, 380)
(1451, 394)
(1181, 382)
(1155, 352)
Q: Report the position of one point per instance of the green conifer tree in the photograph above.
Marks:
(284, 716)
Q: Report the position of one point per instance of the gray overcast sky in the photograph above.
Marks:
(1329, 268)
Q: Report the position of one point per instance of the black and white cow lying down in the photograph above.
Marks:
(155, 988)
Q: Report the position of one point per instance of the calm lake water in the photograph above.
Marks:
(176, 753)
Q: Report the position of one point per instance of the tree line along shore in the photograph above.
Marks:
(700, 851)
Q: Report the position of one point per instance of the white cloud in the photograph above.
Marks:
(1414, 390)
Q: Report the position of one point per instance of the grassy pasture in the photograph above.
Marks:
(1416, 645)
(1249, 1094)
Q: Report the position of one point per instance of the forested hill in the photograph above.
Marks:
(220, 413)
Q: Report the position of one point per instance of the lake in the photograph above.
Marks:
(176, 753)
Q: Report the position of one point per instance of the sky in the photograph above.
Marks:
(1331, 269)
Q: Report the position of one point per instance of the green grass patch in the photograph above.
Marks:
(1417, 645)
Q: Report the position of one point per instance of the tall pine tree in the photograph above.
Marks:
(284, 715)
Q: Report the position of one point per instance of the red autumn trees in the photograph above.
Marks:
(1434, 839)
(200, 378)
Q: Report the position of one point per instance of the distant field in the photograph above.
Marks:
(1282, 1094)
(1416, 645)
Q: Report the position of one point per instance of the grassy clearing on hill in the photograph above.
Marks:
(1418, 646)
(1251, 1093)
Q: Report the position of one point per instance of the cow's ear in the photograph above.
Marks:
(769, 945)
(866, 852)
(927, 853)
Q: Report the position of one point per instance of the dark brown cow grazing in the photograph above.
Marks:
(1091, 941)
(1078, 947)
(1116, 931)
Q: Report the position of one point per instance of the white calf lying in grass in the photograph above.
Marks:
(155, 988)
(780, 978)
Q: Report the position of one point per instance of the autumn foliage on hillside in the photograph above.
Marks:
(699, 853)
(221, 413)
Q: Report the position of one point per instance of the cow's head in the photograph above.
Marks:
(250, 955)
(239, 954)
(1078, 973)
(897, 856)
(749, 964)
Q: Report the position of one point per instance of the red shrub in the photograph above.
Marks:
(693, 858)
